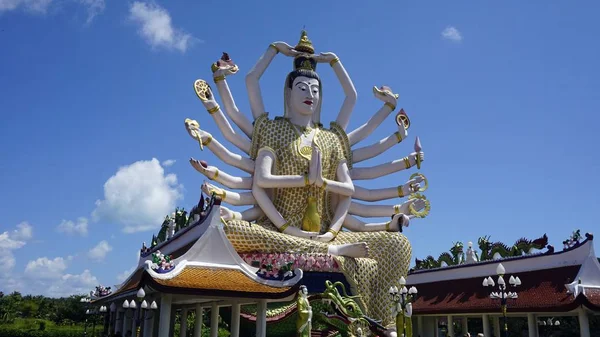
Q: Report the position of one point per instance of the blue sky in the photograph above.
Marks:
(506, 107)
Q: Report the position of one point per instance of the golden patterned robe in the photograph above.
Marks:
(389, 253)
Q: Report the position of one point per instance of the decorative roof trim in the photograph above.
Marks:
(550, 252)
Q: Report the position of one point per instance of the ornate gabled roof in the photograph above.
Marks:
(210, 266)
(555, 282)
(540, 291)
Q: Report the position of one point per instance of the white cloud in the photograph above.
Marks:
(10, 241)
(99, 252)
(452, 34)
(138, 196)
(124, 275)
(35, 6)
(168, 162)
(156, 28)
(46, 268)
(94, 7)
(70, 227)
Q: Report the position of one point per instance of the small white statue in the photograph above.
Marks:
(171, 228)
(471, 254)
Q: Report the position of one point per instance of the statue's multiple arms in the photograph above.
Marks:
(363, 173)
(232, 198)
(409, 187)
(252, 79)
(347, 85)
(250, 214)
(378, 148)
(233, 159)
(390, 100)
(229, 103)
(213, 173)
(215, 111)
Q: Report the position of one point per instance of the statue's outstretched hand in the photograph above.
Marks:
(209, 189)
(413, 157)
(386, 95)
(226, 213)
(224, 67)
(324, 57)
(202, 167)
(398, 221)
(418, 204)
(285, 49)
(193, 129)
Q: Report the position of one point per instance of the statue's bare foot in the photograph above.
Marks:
(359, 249)
(398, 221)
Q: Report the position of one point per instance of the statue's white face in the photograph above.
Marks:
(304, 95)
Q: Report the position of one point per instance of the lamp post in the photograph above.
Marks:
(86, 301)
(146, 311)
(548, 325)
(502, 295)
(104, 312)
(402, 300)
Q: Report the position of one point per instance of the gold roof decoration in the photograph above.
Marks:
(305, 45)
(204, 278)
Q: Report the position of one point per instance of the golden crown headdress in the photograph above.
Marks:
(305, 45)
(305, 61)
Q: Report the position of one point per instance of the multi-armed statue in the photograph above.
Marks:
(301, 184)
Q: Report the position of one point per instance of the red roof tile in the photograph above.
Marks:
(541, 290)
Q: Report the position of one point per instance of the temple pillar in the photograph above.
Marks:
(487, 331)
(214, 320)
(465, 325)
(261, 319)
(497, 326)
(134, 322)
(450, 326)
(436, 328)
(532, 326)
(172, 322)
(584, 323)
(235, 320)
(165, 315)
(126, 323)
(420, 325)
(118, 322)
(183, 323)
(148, 323)
(198, 323)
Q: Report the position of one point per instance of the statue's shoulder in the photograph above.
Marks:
(338, 132)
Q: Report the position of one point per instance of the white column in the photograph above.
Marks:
(183, 324)
(532, 326)
(261, 319)
(584, 324)
(165, 315)
(198, 323)
(214, 320)
(487, 331)
(437, 324)
(497, 326)
(465, 325)
(235, 320)
(420, 325)
(450, 326)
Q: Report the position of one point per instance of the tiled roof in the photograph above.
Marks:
(541, 290)
(226, 282)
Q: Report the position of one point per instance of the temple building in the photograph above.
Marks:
(204, 271)
(550, 284)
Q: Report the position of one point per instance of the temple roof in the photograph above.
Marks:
(556, 282)
(210, 266)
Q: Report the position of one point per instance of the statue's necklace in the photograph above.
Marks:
(305, 140)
